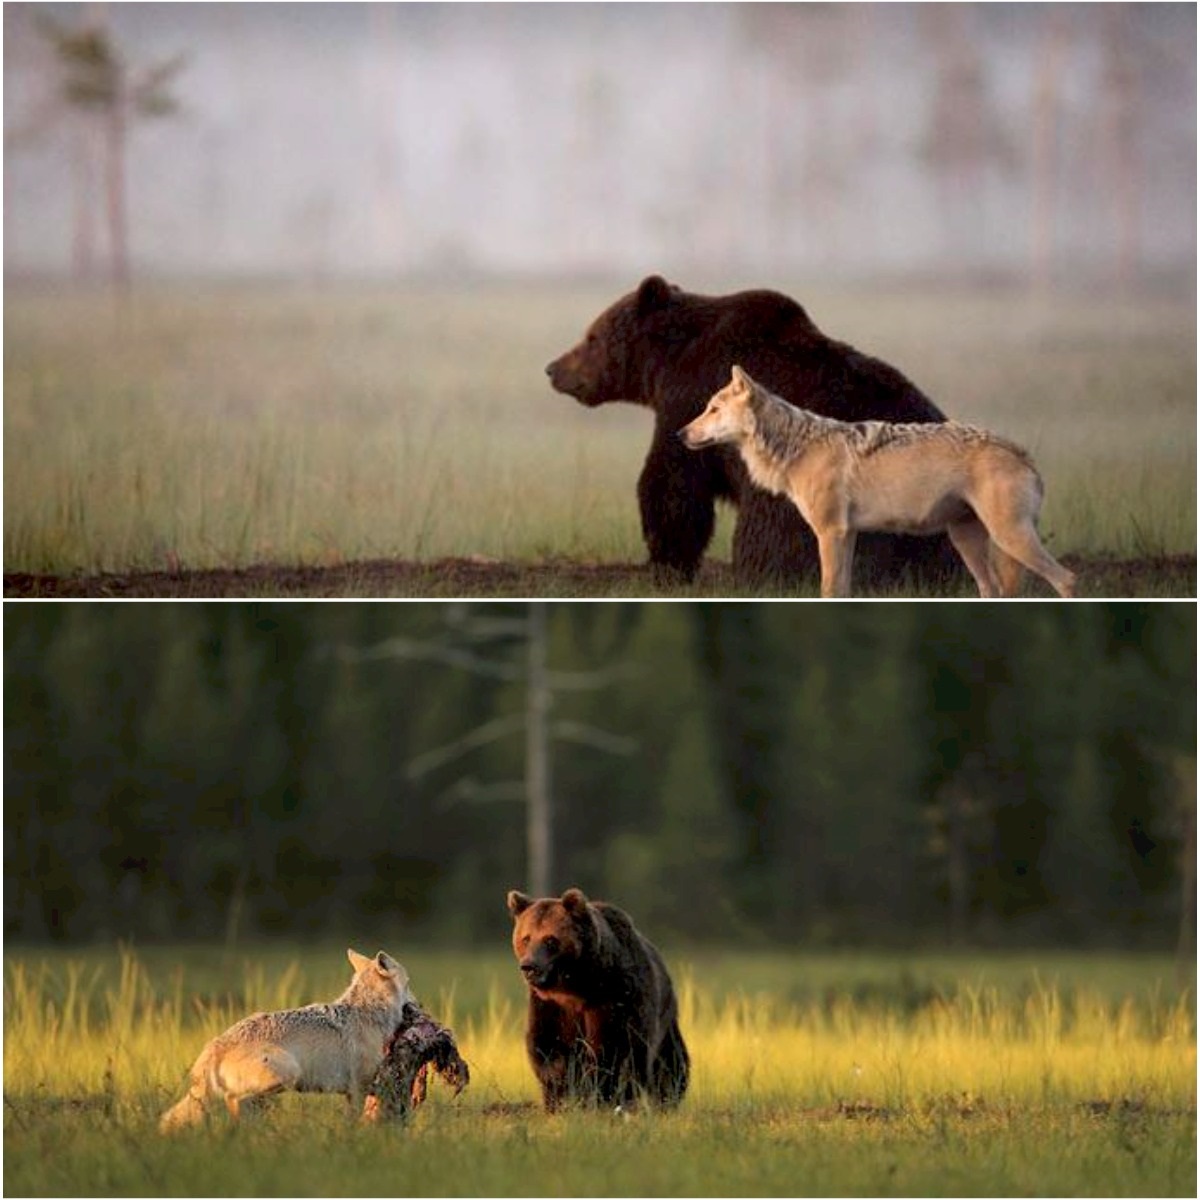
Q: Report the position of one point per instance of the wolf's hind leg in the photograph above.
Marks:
(252, 1070)
(1008, 571)
(970, 539)
(1021, 541)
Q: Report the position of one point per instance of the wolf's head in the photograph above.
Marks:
(729, 416)
(379, 982)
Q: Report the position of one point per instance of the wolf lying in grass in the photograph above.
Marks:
(336, 1047)
(980, 489)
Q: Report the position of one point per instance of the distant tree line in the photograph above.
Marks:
(798, 774)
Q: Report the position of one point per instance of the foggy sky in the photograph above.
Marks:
(318, 139)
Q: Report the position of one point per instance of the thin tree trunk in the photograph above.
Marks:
(957, 801)
(1047, 106)
(115, 192)
(540, 805)
(83, 240)
(1119, 116)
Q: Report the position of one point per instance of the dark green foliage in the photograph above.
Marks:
(809, 773)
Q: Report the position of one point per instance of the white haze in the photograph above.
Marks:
(710, 141)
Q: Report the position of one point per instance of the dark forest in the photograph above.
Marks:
(938, 774)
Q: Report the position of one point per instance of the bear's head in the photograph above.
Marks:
(554, 940)
(629, 339)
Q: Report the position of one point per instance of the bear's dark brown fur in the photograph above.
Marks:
(671, 350)
(603, 1025)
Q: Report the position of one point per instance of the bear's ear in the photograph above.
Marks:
(518, 902)
(653, 293)
(574, 901)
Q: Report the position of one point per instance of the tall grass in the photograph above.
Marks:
(952, 1077)
(214, 427)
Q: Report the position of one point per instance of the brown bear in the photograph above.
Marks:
(670, 350)
(603, 1025)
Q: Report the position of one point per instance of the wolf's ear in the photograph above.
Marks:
(388, 967)
(358, 961)
(518, 902)
(740, 377)
(574, 901)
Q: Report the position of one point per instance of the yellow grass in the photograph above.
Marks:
(877, 1080)
(68, 1035)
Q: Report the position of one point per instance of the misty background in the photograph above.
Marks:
(1055, 143)
(802, 775)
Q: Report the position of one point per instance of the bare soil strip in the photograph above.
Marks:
(1173, 576)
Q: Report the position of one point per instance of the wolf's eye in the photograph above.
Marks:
(551, 944)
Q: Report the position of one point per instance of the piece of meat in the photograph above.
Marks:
(418, 1043)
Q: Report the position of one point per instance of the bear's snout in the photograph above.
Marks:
(566, 377)
(538, 971)
(562, 377)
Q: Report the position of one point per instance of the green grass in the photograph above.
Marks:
(1046, 1074)
(213, 426)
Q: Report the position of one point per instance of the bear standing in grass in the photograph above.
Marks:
(603, 1024)
(671, 350)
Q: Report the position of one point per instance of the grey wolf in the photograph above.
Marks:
(335, 1047)
(603, 1023)
(980, 489)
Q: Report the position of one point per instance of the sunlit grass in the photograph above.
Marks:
(221, 427)
(825, 1075)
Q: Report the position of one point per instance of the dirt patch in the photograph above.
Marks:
(1172, 576)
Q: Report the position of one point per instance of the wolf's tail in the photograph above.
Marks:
(188, 1111)
(191, 1108)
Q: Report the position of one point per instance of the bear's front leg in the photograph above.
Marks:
(619, 1054)
(553, 1040)
(677, 505)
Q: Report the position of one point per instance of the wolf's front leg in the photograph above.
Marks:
(836, 548)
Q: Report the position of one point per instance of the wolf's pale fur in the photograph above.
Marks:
(980, 489)
(318, 1048)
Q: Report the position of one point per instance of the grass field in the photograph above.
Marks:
(1046, 1074)
(209, 427)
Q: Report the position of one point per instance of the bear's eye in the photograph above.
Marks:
(524, 942)
(551, 944)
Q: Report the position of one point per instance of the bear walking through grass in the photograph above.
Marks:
(603, 1022)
